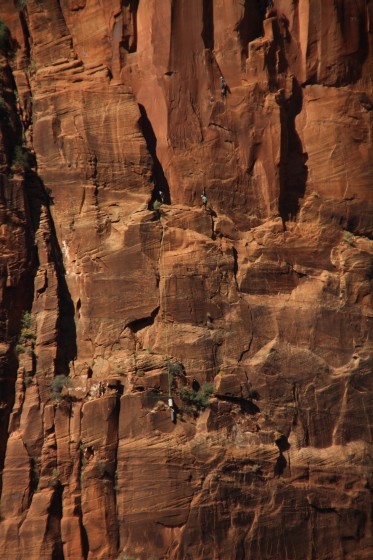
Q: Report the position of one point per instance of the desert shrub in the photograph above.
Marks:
(157, 205)
(54, 479)
(19, 349)
(175, 369)
(140, 373)
(348, 238)
(57, 384)
(27, 334)
(199, 399)
(27, 380)
(26, 331)
(32, 67)
(101, 468)
(20, 158)
(26, 320)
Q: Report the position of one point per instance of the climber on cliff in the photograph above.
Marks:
(161, 196)
(223, 87)
(204, 198)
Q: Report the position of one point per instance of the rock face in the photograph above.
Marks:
(254, 312)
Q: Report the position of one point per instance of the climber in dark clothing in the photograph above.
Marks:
(223, 87)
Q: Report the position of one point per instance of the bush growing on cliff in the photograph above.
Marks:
(21, 4)
(20, 159)
(57, 384)
(26, 331)
(199, 399)
(26, 320)
(175, 369)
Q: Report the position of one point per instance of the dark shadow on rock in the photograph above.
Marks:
(160, 181)
(246, 404)
(282, 443)
(66, 338)
(280, 465)
(137, 324)
(249, 28)
(293, 171)
(129, 38)
(208, 24)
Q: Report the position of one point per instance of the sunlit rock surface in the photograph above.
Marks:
(254, 313)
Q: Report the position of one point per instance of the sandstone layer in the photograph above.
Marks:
(254, 313)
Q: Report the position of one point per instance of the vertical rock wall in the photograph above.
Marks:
(254, 313)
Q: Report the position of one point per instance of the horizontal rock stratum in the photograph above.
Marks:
(124, 291)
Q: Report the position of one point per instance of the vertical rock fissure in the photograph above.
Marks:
(159, 178)
(208, 24)
(293, 171)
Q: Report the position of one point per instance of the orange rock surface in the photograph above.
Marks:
(253, 313)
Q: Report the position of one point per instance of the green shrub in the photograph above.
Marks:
(157, 205)
(175, 369)
(22, 4)
(140, 373)
(199, 399)
(26, 320)
(348, 238)
(20, 158)
(32, 67)
(27, 380)
(27, 334)
(57, 384)
(19, 349)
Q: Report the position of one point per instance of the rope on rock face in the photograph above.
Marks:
(163, 301)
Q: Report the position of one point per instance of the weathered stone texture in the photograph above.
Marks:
(254, 313)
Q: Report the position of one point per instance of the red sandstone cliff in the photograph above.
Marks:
(266, 293)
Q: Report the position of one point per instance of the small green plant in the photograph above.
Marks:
(157, 204)
(20, 159)
(120, 371)
(26, 331)
(27, 334)
(57, 384)
(27, 380)
(199, 399)
(101, 467)
(140, 373)
(32, 67)
(348, 238)
(19, 349)
(22, 4)
(55, 478)
(26, 320)
(175, 369)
